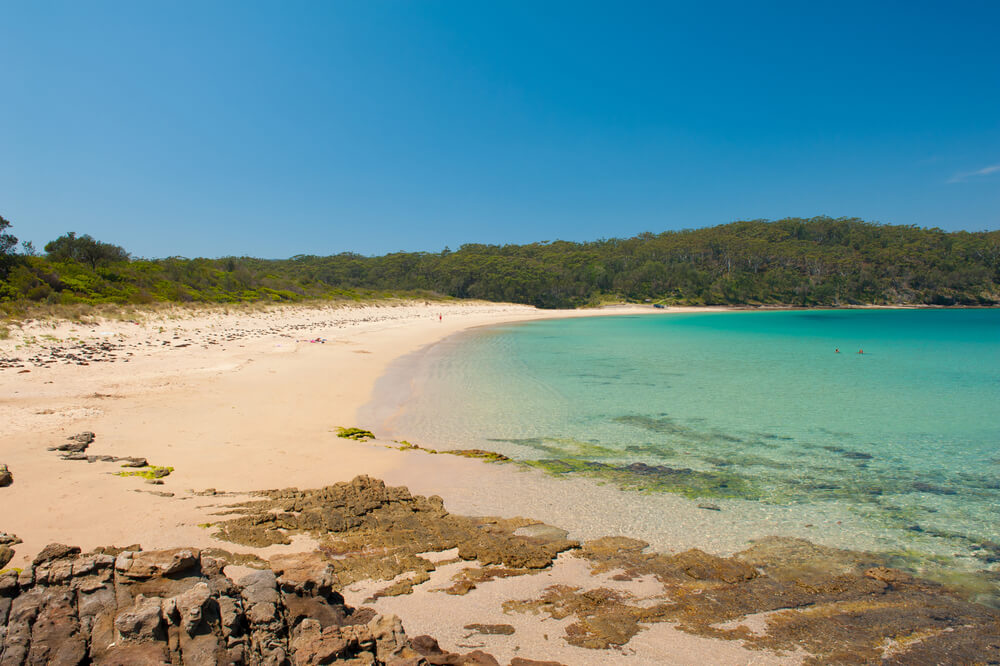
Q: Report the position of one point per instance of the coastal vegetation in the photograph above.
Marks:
(820, 261)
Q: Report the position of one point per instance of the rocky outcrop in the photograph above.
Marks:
(178, 606)
(372, 531)
(781, 594)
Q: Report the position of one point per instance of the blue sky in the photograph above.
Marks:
(278, 128)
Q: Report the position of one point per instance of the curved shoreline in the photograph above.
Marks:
(234, 404)
(614, 495)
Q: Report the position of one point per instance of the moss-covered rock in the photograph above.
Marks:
(356, 434)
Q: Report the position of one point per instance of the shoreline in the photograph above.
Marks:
(237, 404)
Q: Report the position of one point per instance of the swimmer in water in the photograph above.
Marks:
(837, 350)
(861, 351)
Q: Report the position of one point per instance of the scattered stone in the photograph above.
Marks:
(709, 507)
(77, 443)
(6, 478)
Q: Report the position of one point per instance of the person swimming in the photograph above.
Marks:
(861, 351)
(837, 350)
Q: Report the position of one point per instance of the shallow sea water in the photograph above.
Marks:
(745, 410)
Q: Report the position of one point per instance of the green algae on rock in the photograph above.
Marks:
(149, 472)
(488, 456)
(357, 434)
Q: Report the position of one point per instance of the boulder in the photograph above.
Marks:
(148, 564)
(54, 551)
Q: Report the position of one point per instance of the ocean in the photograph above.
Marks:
(894, 450)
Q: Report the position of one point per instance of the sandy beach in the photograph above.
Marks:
(234, 402)
(247, 400)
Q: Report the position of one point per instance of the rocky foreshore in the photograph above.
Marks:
(178, 606)
(190, 606)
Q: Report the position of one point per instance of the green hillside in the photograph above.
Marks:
(819, 261)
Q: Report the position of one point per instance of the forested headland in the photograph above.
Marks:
(802, 262)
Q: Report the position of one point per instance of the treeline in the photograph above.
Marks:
(820, 261)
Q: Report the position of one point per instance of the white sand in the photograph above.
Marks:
(247, 404)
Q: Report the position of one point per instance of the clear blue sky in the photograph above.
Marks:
(277, 128)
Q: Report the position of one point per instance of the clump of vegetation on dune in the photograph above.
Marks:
(820, 261)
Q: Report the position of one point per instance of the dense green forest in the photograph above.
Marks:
(820, 261)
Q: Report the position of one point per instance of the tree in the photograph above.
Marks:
(7, 243)
(84, 249)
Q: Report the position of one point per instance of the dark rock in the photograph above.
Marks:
(115, 606)
(857, 455)
(426, 645)
(6, 478)
(77, 443)
(54, 551)
(8, 539)
(923, 487)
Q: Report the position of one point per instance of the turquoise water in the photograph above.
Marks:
(744, 406)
